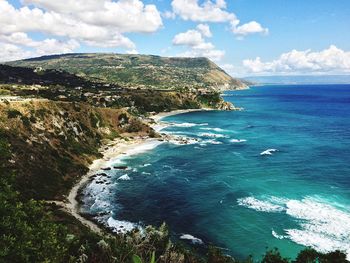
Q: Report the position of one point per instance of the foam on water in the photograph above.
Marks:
(268, 152)
(183, 140)
(120, 226)
(191, 238)
(322, 226)
(259, 205)
(213, 129)
(238, 140)
(188, 124)
(100, 204)
(124, 177)
(212, 135)
(273, 232)
(205, 142)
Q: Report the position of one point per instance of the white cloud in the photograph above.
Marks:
(205, 30)
(132, 51)
(204, 46)
(98, 23)
(195, 40)
(54, 46)
(18, 46)
(189, 38)
(252, 27)
(12, 52)
(124, 15)
(117, 40)
(207, 12)
(213, 54)
(330, 60)
(46, 46)
(214, 11)
(169, 15)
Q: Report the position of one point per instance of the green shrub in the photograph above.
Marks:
(5, 152)
(27, 233)
(274, 256)
(26, 121)
(114, 134)
(134, 125)
(12, 113)
(94, 119)
(310, 255)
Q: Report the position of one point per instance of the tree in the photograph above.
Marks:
(274, 256)
(27, 234)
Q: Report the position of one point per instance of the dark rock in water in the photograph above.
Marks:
(121, 167)
(103, 213)
(106, 168)
(102, 174)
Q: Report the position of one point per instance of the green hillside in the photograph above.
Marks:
(139, 71)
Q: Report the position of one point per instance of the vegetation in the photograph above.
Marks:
(49, 84)
(46, 145)
(52, 143)
(139, 70)
(307, 255)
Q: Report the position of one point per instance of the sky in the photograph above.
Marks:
(244, 37)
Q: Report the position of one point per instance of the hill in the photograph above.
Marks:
(139, 71)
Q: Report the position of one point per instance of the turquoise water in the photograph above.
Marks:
(223, 191)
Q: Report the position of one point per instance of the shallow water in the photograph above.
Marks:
(223, 190)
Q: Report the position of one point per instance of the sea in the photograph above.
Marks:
(276, 174)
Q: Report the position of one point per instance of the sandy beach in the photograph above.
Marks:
(111, 151)
(161, 115)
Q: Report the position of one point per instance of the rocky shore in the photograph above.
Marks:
(111, 151)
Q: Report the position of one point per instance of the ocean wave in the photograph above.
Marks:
(260, 205)
(268, 152)
(183, 140)
(191, 238)
(238, 140)
(212, 135)
(205, 142)
(277, 235)
(213, 129)
(100, 205)
(120, 226)
(322, 226)
(188, 124)
(124, 177)
(325, 227)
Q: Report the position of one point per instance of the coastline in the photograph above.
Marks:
(157, 117)
(111, 151)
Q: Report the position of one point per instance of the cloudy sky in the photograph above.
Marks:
(245, 37)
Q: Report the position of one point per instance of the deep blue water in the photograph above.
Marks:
(223, 191)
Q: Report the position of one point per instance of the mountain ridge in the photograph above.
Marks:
(139, 71)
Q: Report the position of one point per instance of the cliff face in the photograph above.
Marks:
(52, 143)
(140, 71)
